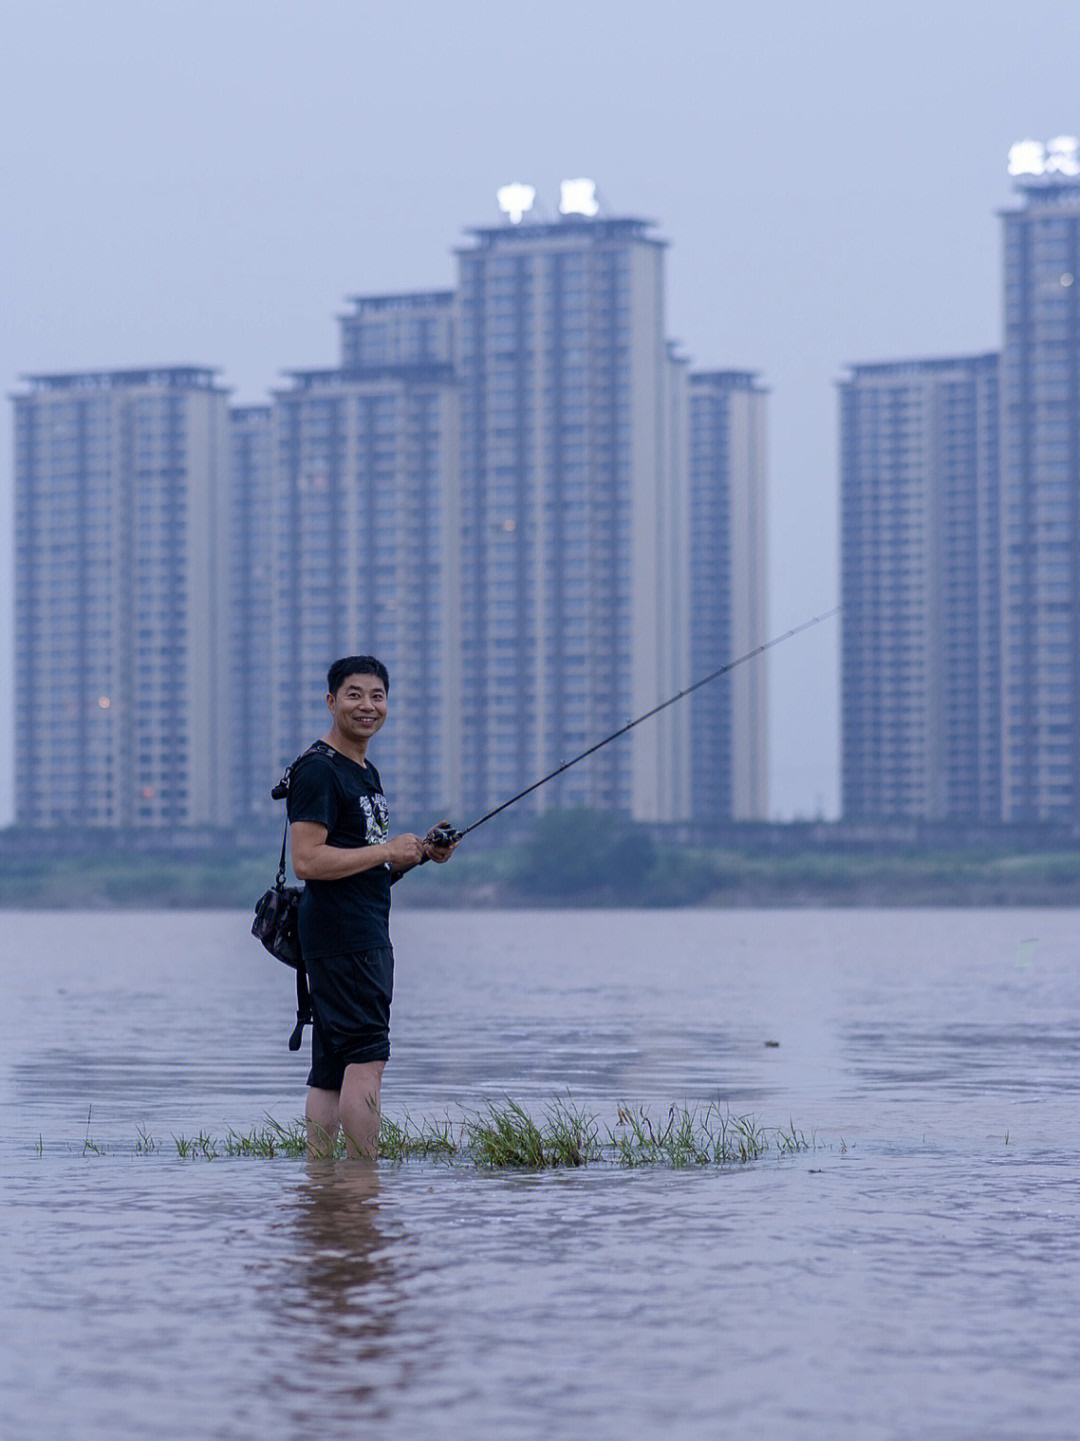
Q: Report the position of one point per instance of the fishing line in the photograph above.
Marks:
(452, 835)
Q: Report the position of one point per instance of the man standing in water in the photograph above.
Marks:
(342, 850)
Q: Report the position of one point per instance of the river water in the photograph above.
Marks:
(914, 1274)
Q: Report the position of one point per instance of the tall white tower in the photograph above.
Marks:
(574, 513)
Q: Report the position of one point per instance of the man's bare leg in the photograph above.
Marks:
(322, 1113)
(359, 1108)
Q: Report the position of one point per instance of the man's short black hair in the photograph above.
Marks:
(349, 665)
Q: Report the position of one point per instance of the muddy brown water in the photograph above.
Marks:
(916, 1273)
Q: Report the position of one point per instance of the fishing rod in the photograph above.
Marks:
(448, 835)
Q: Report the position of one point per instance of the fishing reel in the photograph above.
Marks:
(443, 835)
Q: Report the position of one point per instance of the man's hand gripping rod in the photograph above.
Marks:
(446, 835)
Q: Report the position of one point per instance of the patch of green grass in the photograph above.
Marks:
(402, 1141)
(272, 1139)
(145, 1143)
(201, 1146)
(508, 1137)
(693, 1137)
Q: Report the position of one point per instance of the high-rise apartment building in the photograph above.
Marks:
(728, 598)
(573, 515)
(251, 602)
(386, 331)
(919, 477)
(365, 541)
(1040, 499)
(122, 521)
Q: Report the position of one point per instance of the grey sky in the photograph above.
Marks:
(204, 181)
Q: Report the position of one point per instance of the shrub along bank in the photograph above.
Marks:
(563, 858)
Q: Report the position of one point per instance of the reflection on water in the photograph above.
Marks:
(345, 1289)
(918, 1280)
(346, 1281)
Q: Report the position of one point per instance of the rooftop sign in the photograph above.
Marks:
(514, 200)
(576, 197)
(1060, 156)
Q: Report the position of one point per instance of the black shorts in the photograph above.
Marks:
(350, 1012)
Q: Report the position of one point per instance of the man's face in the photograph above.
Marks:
(359, 708)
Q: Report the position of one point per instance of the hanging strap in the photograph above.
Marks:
(303, 995)
(303, 1008)
(279, 879)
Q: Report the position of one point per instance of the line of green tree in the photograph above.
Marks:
(569, 858)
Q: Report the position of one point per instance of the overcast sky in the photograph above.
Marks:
(204, 181)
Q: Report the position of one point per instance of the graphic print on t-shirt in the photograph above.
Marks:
(376, 815)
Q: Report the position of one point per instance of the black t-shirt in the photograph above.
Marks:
(352, 914)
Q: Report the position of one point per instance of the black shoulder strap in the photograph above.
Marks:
(279, 879)
(281, 793)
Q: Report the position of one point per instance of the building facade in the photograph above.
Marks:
(728, 595)
(365, 545)
(251, 601)
(1040, 501)
(573, 518)
(919, 478)
(122, 586)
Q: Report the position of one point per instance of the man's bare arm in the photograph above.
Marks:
(314, 860)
